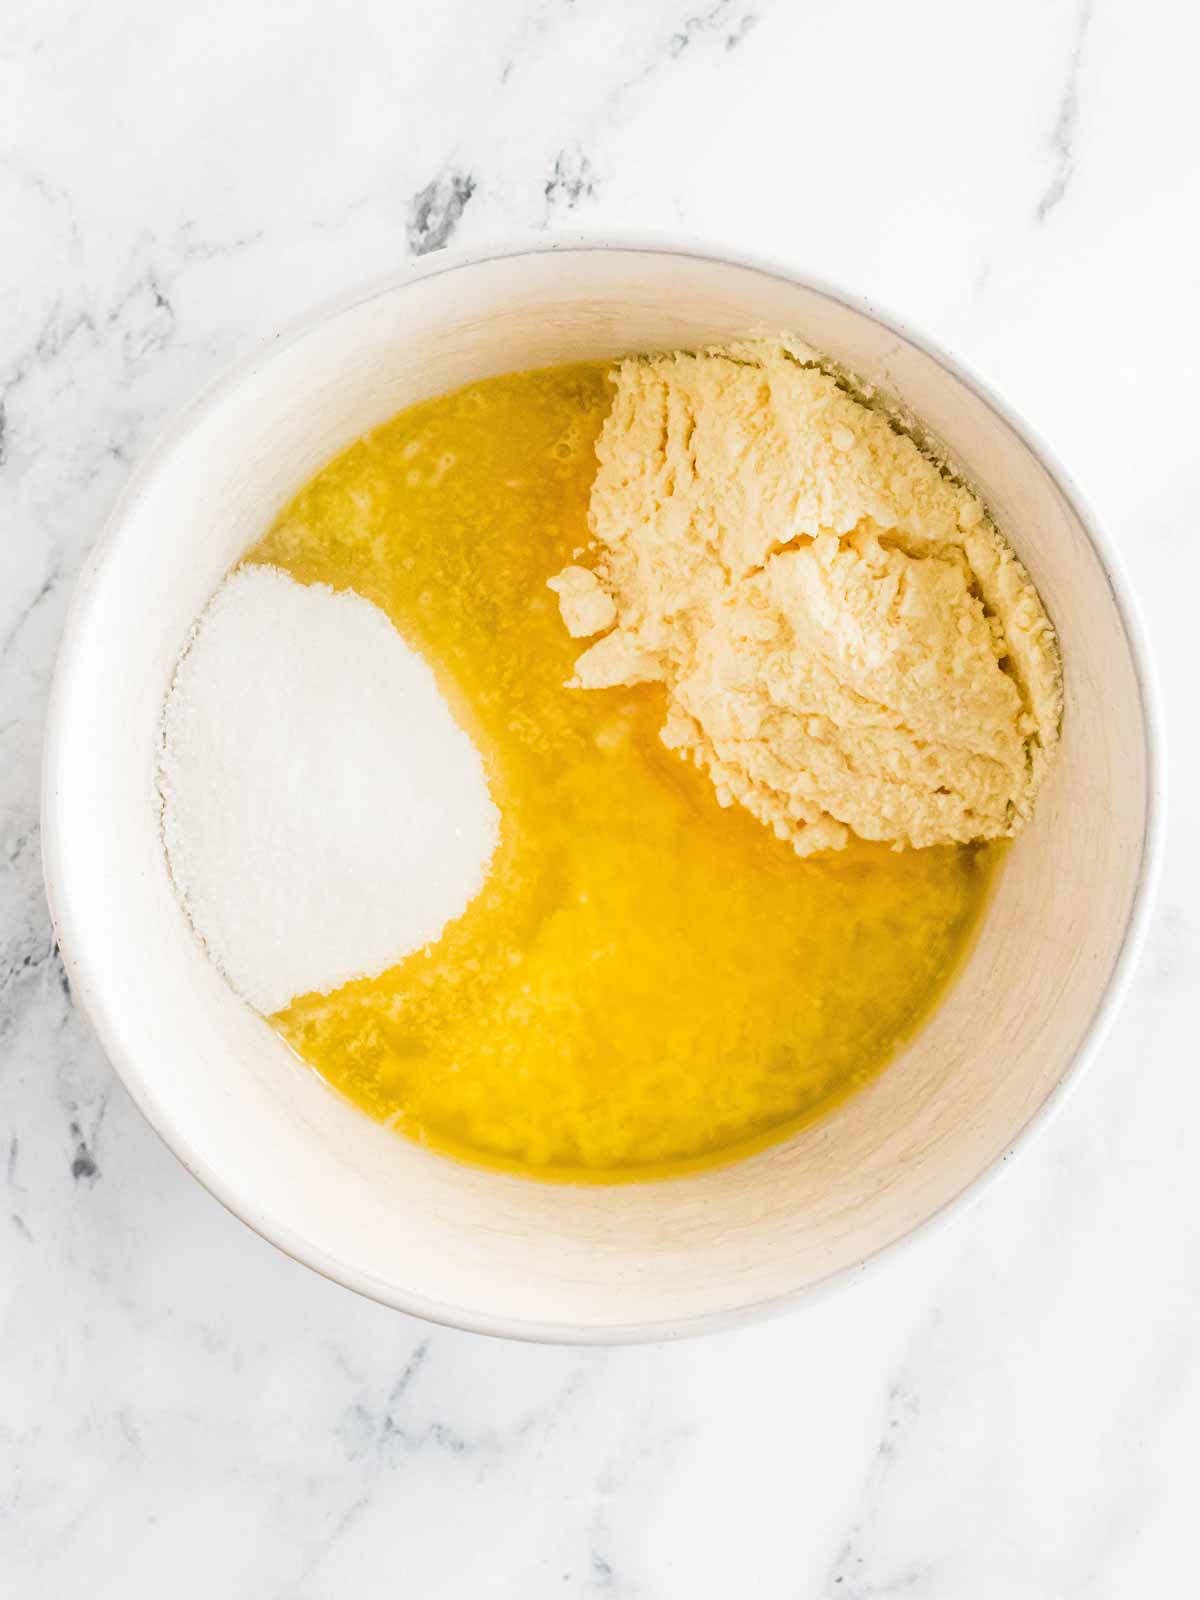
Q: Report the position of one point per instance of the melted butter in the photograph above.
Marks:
(647, 983)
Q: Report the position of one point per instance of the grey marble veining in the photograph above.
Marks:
(1009, 1409)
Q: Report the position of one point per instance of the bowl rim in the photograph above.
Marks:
(158, 1113)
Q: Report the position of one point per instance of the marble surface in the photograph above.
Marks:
(1008, 1409)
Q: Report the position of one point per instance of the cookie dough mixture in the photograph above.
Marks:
(607, 1007)
(847, 642)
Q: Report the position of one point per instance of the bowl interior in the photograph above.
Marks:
(371, 1209)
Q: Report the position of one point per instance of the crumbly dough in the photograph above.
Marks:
(846, 641)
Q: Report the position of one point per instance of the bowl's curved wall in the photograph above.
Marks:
(374, 1211)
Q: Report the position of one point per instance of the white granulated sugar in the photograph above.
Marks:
(323, 813)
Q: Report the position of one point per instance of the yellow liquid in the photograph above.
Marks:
(647, 983)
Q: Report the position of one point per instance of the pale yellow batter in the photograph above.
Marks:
(847, 643)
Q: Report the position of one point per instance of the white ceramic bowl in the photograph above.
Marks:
(491, 1252)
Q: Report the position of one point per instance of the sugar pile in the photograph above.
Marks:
(323, 813)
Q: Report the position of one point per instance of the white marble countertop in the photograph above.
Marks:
(1008, 1409)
